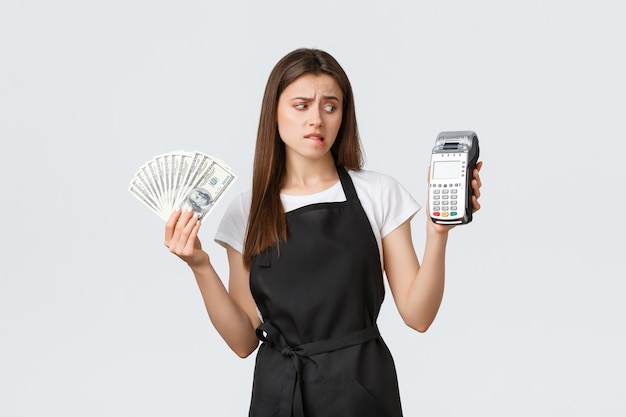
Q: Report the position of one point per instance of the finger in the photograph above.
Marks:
(476, 188)
(475, 204)
(170, 225)
(193, 235)
(182, 221)
(476, 173)
(477, 179)
(186, 231)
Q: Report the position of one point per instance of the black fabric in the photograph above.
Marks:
(320, 293)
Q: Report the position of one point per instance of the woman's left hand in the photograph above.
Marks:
(476, 184)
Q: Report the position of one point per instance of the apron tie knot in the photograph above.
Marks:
(288, 351)
(267, 333)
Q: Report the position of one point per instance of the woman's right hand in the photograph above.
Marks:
(181, 237)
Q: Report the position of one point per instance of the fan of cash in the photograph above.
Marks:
(181, 179)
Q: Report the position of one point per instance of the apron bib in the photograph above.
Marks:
(320, 293)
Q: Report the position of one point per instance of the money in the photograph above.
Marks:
(183, 180)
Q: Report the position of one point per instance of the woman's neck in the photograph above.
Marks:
(306, 176)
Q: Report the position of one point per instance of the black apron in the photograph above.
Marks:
(320, 293)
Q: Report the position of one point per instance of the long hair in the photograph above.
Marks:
(267, 224)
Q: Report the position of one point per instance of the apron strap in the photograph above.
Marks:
(347, 184)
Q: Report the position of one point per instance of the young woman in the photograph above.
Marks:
(307, 248)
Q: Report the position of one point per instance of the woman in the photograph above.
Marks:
(307, 248)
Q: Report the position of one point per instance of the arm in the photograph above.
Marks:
(233, 311)
(418, 290)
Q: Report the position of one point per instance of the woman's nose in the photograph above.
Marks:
(315, 117)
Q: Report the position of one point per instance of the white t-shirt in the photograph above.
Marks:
(385, 201)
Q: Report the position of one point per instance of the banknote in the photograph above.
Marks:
(181, 179)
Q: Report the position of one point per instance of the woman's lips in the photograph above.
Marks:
(317, 137)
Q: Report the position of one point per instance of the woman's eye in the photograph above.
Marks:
(300, 106)
(330, 108)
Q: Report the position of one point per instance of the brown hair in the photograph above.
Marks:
(267, 224)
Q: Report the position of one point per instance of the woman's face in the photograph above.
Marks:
(309, 116)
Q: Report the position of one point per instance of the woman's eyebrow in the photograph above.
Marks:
(309, 98)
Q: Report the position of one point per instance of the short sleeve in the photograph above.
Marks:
(397, 203)
(232, 228)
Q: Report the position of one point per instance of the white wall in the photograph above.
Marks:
(98, 319)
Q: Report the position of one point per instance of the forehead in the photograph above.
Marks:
(310, 85)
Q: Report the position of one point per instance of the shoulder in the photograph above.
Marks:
(232, 228)
(241, 201)
(375, 183)
(371, 175)
(384, 199)
(239, 207)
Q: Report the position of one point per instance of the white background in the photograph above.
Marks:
(98, 319)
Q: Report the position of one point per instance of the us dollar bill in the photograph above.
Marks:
(208, 188)
(181, 179)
